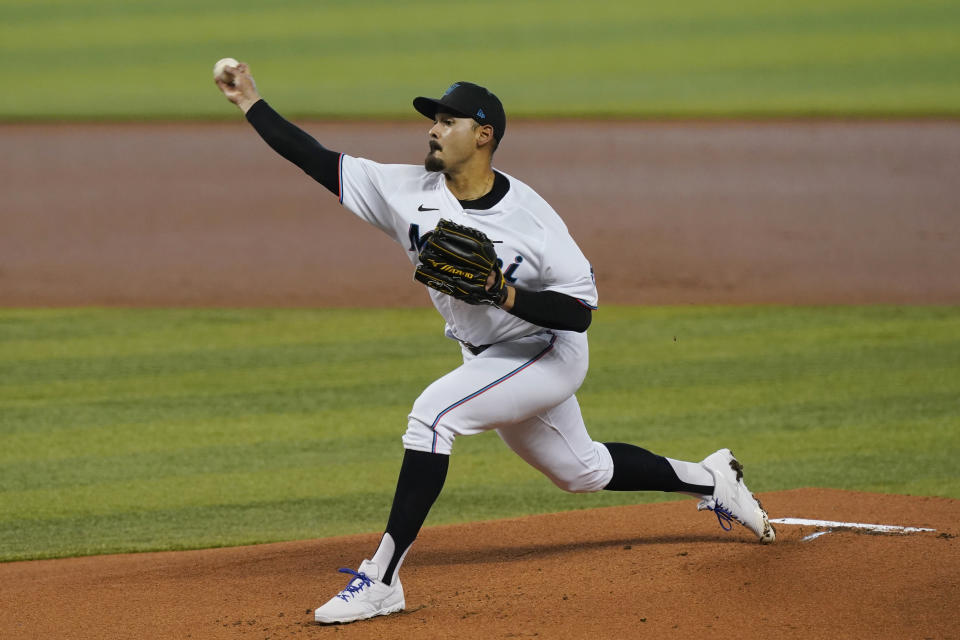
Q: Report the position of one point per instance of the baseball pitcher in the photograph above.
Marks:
(517, 295)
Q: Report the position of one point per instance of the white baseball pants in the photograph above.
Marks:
(523, 389)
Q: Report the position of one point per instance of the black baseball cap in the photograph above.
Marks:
(467, 100)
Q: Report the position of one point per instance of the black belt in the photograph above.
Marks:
(474, 349)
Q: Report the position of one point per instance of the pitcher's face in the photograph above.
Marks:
(453, 141)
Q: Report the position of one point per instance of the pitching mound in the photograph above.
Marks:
(645, 571)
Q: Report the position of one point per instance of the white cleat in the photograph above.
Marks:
(365, 596)
(731, 500)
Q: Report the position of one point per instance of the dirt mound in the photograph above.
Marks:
(655, 571)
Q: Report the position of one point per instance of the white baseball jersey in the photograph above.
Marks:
(523, 385)
(536, 250)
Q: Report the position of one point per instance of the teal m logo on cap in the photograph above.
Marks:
(481, 114)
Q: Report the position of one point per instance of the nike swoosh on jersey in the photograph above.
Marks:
(423, 208)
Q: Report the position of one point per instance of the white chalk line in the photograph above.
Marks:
(879, 528)
(814, 536)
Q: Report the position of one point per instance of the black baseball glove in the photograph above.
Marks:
(457, 260)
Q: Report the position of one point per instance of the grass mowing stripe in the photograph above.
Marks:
(91, 442)
(161, 429)
(199, 489)
(222, 458)
(33, 334)
(211, 373)
(892, 433)
(181, 376)
(563, 58)
(214, 525)
(58, 419)
(367, 361)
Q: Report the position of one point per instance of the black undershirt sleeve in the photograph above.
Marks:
(551, 310)
(296, 145)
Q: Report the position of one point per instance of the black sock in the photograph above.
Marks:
(636, 469)
(421, 478)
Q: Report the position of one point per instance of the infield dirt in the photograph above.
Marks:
(206, 215)
(649, 571)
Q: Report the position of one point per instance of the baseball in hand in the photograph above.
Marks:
(219, 69)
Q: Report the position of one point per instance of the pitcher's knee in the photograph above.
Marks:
(420, 437)
(585, 475)
(584, 482)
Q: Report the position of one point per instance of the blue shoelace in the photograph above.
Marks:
(724, 516)
(352, 589)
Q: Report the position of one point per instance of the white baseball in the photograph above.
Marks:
(219, 72)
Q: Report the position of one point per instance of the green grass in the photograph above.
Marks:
(131, 430)
(120, 59)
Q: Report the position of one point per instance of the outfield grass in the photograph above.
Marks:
(130, 430)
(110, 59)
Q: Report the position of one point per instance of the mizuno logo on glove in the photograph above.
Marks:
(452, 270)
(463, 259)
